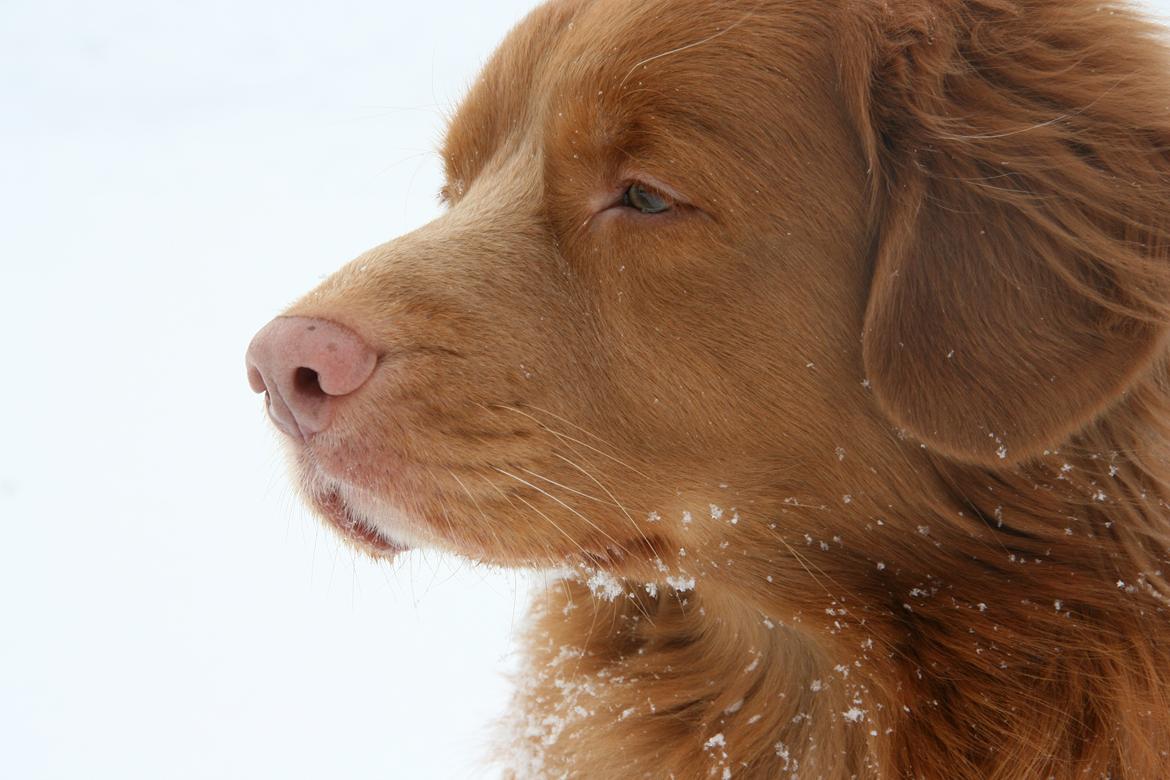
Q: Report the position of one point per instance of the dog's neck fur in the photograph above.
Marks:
(1039, 677)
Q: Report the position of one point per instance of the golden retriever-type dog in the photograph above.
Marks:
(821, 346)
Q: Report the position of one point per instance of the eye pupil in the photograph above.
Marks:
(644, 200)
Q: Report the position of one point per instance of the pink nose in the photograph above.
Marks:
(306, 366)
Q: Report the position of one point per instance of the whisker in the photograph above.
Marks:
(487, 524)
(570, 423)
(566, 506)
(566, 487)
(805, 564)
(585, 555)
(562, 435)
(633, 522)
(551, 522)
(706, 40)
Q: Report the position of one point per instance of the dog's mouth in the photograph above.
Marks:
(354, 529)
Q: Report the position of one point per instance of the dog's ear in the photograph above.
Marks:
(1020, 162)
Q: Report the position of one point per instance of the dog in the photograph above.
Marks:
(820, 347)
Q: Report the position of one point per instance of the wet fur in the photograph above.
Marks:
(893, 393)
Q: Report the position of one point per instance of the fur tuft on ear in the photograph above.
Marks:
(1019, 157)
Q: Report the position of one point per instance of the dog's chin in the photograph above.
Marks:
(356, 528)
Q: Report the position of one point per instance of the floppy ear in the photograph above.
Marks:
(1020, 159)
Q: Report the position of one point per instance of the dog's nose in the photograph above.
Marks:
(307, 366)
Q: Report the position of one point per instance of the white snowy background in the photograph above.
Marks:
(171, 175)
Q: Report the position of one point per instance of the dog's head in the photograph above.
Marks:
(702, 261)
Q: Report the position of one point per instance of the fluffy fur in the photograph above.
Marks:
(857, 456)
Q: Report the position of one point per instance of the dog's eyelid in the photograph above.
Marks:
(655, 185)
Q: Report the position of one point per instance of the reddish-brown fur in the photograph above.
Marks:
(889, 384)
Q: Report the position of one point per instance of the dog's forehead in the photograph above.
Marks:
(608, 63)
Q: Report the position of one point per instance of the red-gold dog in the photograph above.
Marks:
(823, 344)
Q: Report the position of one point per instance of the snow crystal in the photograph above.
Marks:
(681, 583)
(782, 752)
(605, 585)
(854, 714)
(716, 741)
(716, 512)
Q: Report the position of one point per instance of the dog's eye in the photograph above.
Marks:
(645, 200)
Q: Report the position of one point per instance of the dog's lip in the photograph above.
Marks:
(354, 529)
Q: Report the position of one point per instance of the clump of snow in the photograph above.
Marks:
(604, 585)
(853, 714)
(783, 753)
(717, 741)
(681, 583)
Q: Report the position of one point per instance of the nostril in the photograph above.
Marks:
(307, 382)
